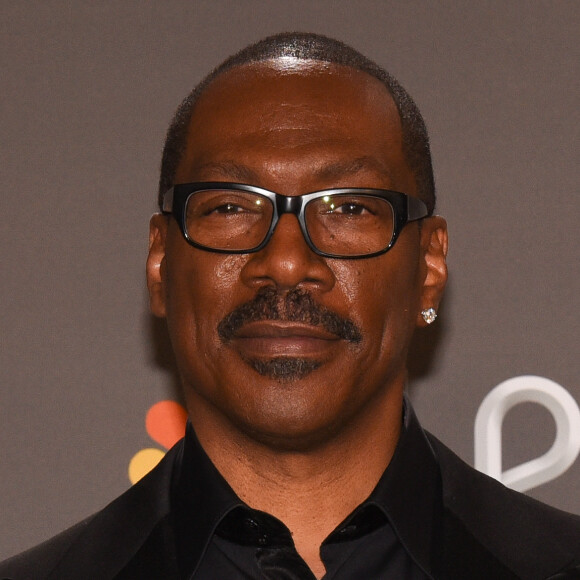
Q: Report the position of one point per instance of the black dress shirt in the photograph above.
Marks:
(390, 535)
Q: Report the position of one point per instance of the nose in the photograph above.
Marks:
(287, 262)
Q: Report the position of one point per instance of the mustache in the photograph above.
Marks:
(294, 306)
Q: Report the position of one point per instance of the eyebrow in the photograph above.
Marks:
(230, 169)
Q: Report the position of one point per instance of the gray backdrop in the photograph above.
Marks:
(87, 91)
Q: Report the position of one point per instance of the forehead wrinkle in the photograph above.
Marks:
(236, 171)
(347, 167)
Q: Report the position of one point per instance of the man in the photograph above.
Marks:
(295, 255)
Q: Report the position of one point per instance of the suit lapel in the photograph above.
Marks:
(126, 530)
(156, 558)
(485, 522)
(461, 556)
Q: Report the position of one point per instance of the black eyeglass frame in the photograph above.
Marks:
(405, 209)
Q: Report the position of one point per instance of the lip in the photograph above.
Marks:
(274, 338)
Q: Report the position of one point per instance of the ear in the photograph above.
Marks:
(156, 264)
(434, 246)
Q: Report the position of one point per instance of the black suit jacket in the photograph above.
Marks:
(486, 532)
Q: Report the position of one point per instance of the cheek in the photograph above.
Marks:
(200, 290)
(382, 294)
(223, 273)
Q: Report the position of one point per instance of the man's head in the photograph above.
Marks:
(306, 46)
(284, 345)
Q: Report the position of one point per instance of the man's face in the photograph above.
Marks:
(283, 345)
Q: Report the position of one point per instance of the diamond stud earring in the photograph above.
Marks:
(429, 315)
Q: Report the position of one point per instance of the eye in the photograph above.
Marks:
(227, 208)
(348, 206)
(349, 209)
(224, 203)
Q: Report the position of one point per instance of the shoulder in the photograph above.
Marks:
(107, 538)
(38, 561)
(527, 536)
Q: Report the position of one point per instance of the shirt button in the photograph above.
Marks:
(348, 529)
(251, 523)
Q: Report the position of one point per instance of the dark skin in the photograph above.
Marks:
(306, 450)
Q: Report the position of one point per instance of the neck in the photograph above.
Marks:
(310, 490)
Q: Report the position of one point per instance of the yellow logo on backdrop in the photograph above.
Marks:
(165, 424)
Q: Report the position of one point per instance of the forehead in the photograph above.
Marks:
(290, 111)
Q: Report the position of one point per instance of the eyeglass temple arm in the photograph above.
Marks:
(416, 209)
(167, 205)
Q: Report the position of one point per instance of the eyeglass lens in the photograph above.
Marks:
(342, 224)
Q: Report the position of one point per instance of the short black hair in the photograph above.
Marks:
(309, 46)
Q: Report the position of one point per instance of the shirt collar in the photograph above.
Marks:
(200, 499)
(408, 493)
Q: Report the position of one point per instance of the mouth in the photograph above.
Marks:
(267, 339)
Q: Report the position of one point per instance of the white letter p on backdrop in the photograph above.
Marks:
(488, 427)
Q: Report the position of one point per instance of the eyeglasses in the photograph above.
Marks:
(338, 223)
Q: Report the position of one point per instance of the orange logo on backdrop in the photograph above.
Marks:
(165, 424)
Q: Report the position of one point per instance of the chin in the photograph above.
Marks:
(284, 369)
